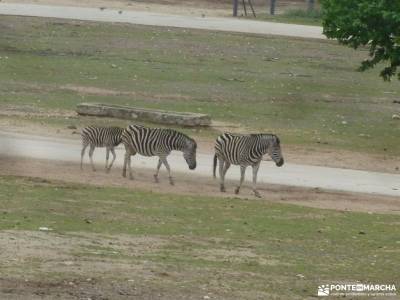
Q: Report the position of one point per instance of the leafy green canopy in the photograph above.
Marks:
(372, 23)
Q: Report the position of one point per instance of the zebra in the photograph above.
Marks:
(109, 137)
(245, 150)
(157, 142)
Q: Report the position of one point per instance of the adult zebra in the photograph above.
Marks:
(109, 137)
(245, 150)
(157, 142)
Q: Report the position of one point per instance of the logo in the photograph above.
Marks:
(323, 290)
(356, 289)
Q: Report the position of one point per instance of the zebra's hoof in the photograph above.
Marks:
(107, 170)
(171, 182)
(257, 194)
(237, 190)
(222, 189)
(156, 178)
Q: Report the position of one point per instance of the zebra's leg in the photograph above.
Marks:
(125, 162)
(225, 170)
(165, 162)
(107, 156)
(84, 146)
(158, 170)
(227, 164)
(128, 162)
(255, 171)
(91, 157)
(113, 160)
(242, 173)
(221, 163)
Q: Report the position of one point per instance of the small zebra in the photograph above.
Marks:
(157, 142)
(245, 150)
(109, 137)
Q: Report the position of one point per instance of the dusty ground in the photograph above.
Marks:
(19, 247)
(70, 172)
(86, 262)
(180, 7)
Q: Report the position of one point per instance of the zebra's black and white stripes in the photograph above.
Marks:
(108, 137)
(245, 150)
(157, 142)
(242, 150)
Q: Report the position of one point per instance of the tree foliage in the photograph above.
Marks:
(371, 23)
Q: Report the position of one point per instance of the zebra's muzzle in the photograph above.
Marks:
(192, 167)
(280, 163)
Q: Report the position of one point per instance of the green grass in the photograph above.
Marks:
(285, 240)
(301, 89)
(294, 16)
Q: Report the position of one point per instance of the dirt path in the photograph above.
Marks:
(161, 19)
(85, 276)
(195, 186)
(290, 174)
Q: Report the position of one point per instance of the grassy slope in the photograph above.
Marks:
(300, 89)
(286, 240)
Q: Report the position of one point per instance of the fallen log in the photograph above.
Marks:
(144, 114)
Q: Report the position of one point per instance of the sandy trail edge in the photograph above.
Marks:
(194, 186)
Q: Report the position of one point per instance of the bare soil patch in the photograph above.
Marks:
(28, 111)
(344, 159)
(70, 172)
(85, 262)
(91, 90)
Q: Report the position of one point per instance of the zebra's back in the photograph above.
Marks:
(238, 149)
(150, 141)
(102, 136)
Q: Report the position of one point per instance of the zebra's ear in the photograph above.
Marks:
(278, 141)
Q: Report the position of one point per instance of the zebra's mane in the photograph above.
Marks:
(274, 136)
(104, 127)
(182, 135)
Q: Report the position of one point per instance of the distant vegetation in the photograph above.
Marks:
(314, 14)
(293, 16)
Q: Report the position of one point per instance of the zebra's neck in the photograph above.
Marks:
(262, 144)
(179, 142)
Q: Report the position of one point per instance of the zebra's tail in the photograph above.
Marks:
(215, 165)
